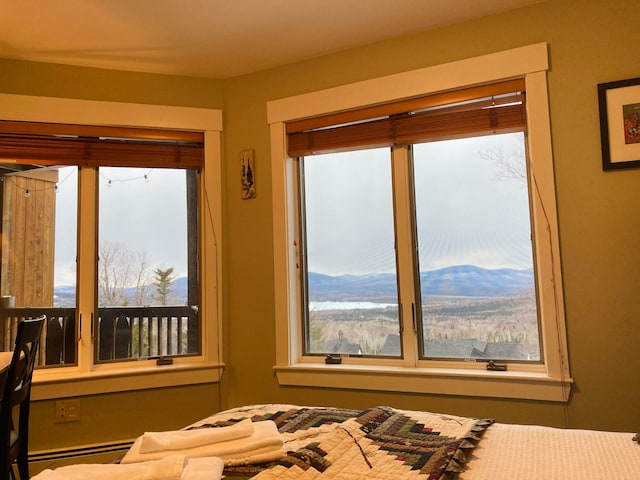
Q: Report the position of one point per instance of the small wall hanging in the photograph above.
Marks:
(247, 174)
(619, 104)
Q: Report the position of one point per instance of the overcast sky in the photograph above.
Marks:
(465, 215)
(146, 214)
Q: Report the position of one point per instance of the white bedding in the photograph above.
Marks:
(525, 452)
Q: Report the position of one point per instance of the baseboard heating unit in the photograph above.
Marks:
(97, 453)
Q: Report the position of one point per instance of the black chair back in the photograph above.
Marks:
(17, 393)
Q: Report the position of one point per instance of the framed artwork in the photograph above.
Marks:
(619, 104)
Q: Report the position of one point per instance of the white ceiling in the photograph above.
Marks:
(215, 38)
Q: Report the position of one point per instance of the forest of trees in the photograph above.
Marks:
(447, 319)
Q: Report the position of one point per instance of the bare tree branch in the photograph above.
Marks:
(509, 165)
(120, 269)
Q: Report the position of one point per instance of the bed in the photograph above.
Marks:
(386, 443)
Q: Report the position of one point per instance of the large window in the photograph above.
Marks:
(415, 233)
(475, 269)
(111, 218)
(147, 287)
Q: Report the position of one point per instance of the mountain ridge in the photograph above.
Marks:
(458, 280)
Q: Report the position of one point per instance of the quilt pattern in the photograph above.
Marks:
(377, 443)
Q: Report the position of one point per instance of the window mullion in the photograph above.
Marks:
(405, 257)
(86, 267)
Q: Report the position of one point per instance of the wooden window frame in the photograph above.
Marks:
(88, 378)
(550, 381)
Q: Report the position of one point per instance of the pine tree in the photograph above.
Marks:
(164, 279)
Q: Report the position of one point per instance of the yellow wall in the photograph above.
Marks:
(599, 213)
(590, 42)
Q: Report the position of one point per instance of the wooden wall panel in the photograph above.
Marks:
(28, 237)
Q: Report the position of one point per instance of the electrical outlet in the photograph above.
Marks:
(67, 411)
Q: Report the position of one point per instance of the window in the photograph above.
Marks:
(113, 217)
(352, 294)
(473, 237)
(148, 292)
(373, 265)
(476, 275)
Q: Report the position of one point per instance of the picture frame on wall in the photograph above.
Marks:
(619, 105)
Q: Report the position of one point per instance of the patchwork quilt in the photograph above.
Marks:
(383, 443)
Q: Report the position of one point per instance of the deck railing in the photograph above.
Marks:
(120, 333)
(58, 342)
(143, 332)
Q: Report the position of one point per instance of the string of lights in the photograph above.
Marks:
(110, 181)
(48, 186)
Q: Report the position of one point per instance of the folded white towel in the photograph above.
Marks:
(265, 444)
(183, 439)
(203, 468)
(168, 468)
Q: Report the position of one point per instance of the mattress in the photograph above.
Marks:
(529, 452)
(385, 443)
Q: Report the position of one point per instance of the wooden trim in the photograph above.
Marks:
(42, 128)
(408, 105)
(427, 126)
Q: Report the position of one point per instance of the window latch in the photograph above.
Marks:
(333, 359)
(496, 367)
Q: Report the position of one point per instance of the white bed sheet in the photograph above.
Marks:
(529, 452)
